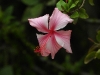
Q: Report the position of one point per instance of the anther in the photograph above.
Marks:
(37, 49)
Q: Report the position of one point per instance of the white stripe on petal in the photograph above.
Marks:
(53, 46)
(48, 44)
(42, 43)
(58, 20)
(63, 39)
(41, 23)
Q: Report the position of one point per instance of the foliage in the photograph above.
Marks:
(91, 2)
(74, 8)
(18, 38)
(94, 51)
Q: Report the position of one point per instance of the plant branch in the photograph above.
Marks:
(79, 6)
(92, 40)
(82, 4)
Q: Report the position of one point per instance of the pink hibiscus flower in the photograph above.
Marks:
(53, 40)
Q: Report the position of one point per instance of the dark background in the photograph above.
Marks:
(18, 40)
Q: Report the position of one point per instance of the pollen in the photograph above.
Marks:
(38, 49)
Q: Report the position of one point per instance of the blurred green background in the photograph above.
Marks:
(18, 40)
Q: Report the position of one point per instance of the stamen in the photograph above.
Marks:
(38, 49)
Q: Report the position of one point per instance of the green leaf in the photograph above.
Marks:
(60, 73)
(98, 36)
(83, 14)
(7, 15)
(37, 10)
(30, 2)
(98, 54)
(27, 14)
(7, 70)
(90, 56)
(72, 4)
(9, 11)
(75, 15)
(91, 2)
(76, 2)
(75, 20)
(32, 12)
(51, 2)
(61, 5)
(93, 47)
(6, 20)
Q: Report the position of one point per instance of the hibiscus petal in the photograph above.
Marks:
(58, 20)
(41, 23)
(63, 39)
(51, 46)
(42, 43)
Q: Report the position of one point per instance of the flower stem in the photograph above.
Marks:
(92, 40)
(79, 6)
(82, 4)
